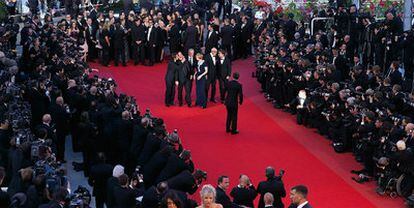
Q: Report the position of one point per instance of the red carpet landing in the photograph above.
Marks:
(267, 137)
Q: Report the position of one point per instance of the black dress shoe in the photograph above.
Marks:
(235, 132)
(228, 131)
(189, 105)
(214, 101)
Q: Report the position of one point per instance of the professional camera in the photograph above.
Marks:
(81, 198)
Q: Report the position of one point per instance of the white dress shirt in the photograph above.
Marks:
(149, 33)
(214, 59)
(303, 204)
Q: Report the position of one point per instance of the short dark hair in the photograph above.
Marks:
(173, 197)
(123, 179)
(301, 189)
(236, 75)
(221, 178)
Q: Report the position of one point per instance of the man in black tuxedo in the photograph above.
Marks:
(174, 37)
(90, 37)
(227, 35)
(60, 118)
(221, 196)
(234, 97)
(211, 60)
(138, 38)
(192, 64)
(99, 175)
(224, 73)
(184, 74)
(119, 44)
(151, 35)
(211, 40)
(171, 79)
(298, 197)
(245, 37)
(124, 195)
(272, 185)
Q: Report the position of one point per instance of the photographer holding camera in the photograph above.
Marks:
(273, 185)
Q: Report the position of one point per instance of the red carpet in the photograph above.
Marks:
(267, 137)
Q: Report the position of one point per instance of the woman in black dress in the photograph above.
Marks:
(201, 78)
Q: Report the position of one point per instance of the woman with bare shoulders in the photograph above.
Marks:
(208, 197)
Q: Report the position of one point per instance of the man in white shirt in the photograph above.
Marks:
(298, 197)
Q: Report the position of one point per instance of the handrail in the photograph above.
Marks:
(317, 19)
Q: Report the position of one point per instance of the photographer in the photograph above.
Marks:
(244, 193)
(273, 185)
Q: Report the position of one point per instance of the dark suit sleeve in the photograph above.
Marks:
(241, 94)
(283, 191)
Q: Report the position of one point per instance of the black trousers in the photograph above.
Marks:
(187, 87)
(60, 145)
(151, 53)
(169, 93)
(119, 53)
(222, 84)
(139, 54)
(231, 123)
(211, 84)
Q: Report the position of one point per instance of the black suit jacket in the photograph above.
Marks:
(244, 196)
(212, 68)
(60, 118)
(212, 41)
(151, 198)
(225, 68)
(227, 33)
(138, 33)
(172, 72)
(124, 197)
(223, 199)
(153, 39)
(276, 188)
(118, 38)
(295, 206)
(183, 182)
(174, 166)
(234, 94)
(98, 177)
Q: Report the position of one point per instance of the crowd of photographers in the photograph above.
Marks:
(352, 81)
(48, 93)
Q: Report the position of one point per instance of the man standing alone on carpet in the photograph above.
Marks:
(234, 97)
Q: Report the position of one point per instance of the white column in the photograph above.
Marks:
(408, 15)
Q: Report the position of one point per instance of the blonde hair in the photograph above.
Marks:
(208, 189)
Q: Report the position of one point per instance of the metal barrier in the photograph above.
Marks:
(318, 19)
(59, 10)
